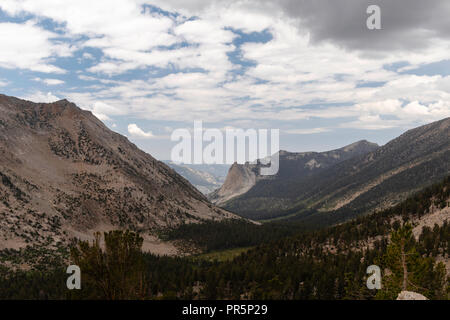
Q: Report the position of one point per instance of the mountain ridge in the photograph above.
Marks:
(64, 174)
(374, 180)
(293, 166)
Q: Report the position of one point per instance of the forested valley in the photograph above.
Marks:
(280, 260)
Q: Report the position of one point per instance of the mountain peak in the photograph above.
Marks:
(360, 146)
(63, 170)
(293, 166)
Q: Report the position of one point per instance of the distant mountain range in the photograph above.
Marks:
(346, 182)
(206, 178)
(64, 174)
(293, 167)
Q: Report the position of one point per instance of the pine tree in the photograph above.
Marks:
(407, 270)
(118, 272)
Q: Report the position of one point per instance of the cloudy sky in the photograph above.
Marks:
(310, 68)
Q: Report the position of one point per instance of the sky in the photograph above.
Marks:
(311, 69)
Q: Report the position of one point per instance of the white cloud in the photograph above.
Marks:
(39, 96)
(87, 55)
(390, 106)
(137, 132)
(368, 122)
(415, 108)
(87, 78)
(50, 82)
(27, 46)
(292, 78)
(307, 131)
(110, 26)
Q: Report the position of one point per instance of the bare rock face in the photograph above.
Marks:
(240, 179)
(64, 174)
(409, 295)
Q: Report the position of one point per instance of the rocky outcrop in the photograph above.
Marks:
(240, 179)
(409, 295)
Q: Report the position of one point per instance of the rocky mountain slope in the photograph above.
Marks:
(385, 177)
(373, 180)
(293, 167)
(206, 178)
(64, 174)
